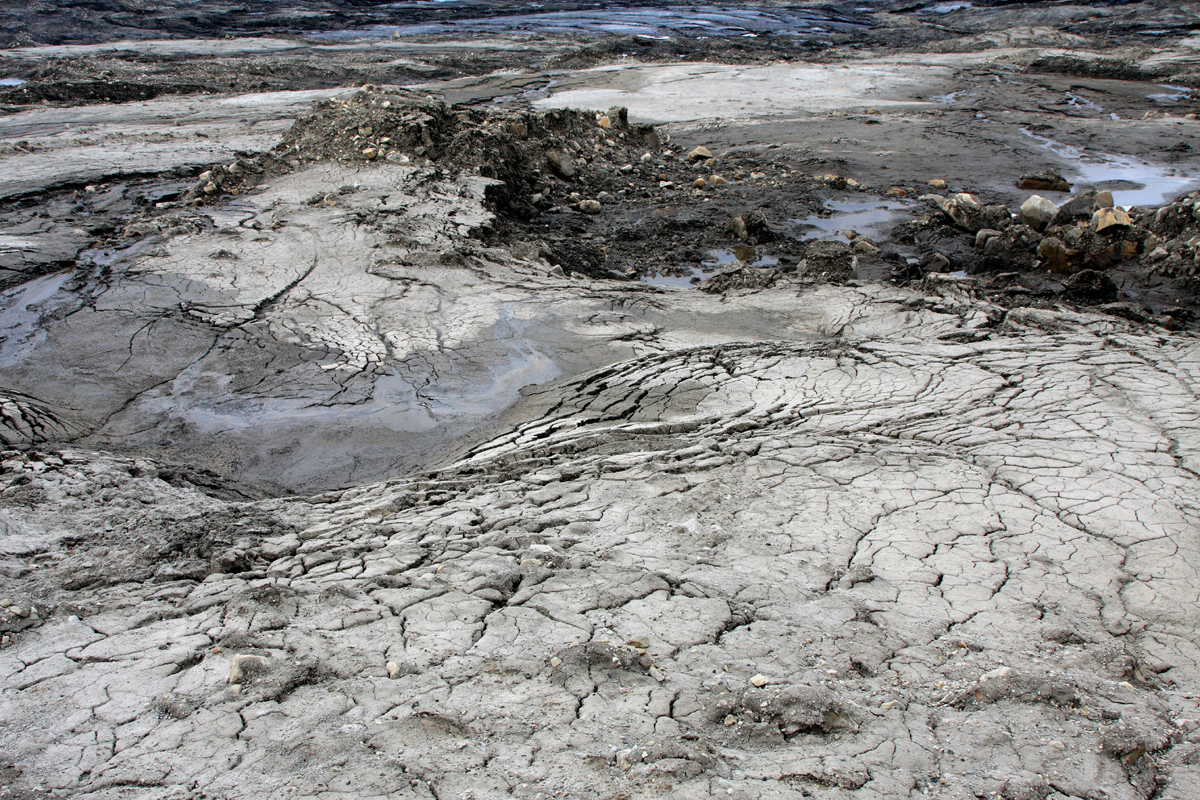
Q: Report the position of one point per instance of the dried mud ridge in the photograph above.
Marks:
(859, 568)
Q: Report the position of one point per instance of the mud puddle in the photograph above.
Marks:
(871, 218)
(1132, 181)
(659, 23)
(1171, 95)
(714, 261)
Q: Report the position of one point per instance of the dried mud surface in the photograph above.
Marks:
(568, 412)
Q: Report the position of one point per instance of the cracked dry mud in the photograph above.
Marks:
(886, 563)
(345, 455)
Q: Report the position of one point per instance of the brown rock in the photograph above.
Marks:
(1106, 218)
(1046, 181)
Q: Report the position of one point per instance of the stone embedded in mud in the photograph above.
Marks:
(589, 206)
(1054, 254)
(1049, 180)
(1106, 218)
(700, 153)
(964, 210)
(983, 235)
(752, 226)
(1038, 211)
(938, 184)
(246, 666)
(937, 263)
(561, 164)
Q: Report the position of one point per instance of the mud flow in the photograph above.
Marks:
(497, 399)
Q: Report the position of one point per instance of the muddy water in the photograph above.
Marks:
(714, 261)
(867, 217)
(1133, 182)
(667, 22)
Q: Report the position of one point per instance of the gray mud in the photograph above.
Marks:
(482, 400)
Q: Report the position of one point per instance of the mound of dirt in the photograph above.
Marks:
(404, 127)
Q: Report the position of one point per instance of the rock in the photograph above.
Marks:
(896, 191)
(1054, 254)
(983, 235)
(210, 188)
(939, 184)
(1157, 254)
(865, 246)
(964, 210)
(717, 180)
(1104, 199)
(666, 184)
(1037, 212)
(701, 153)
(369, 152)
(246, 666)
(999, 672)
(590, 206)
(1078, 206)
(752, 226)
(639, 641)
(1107, 217)
(937, 263)
(604, 121)
(647, 158)
(760, 681)
(393, 670)
(561, 164)
(699, 183)
(1047, 180)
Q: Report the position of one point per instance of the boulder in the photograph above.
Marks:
(701, 153)
(1078, 206)
(1037, 212)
